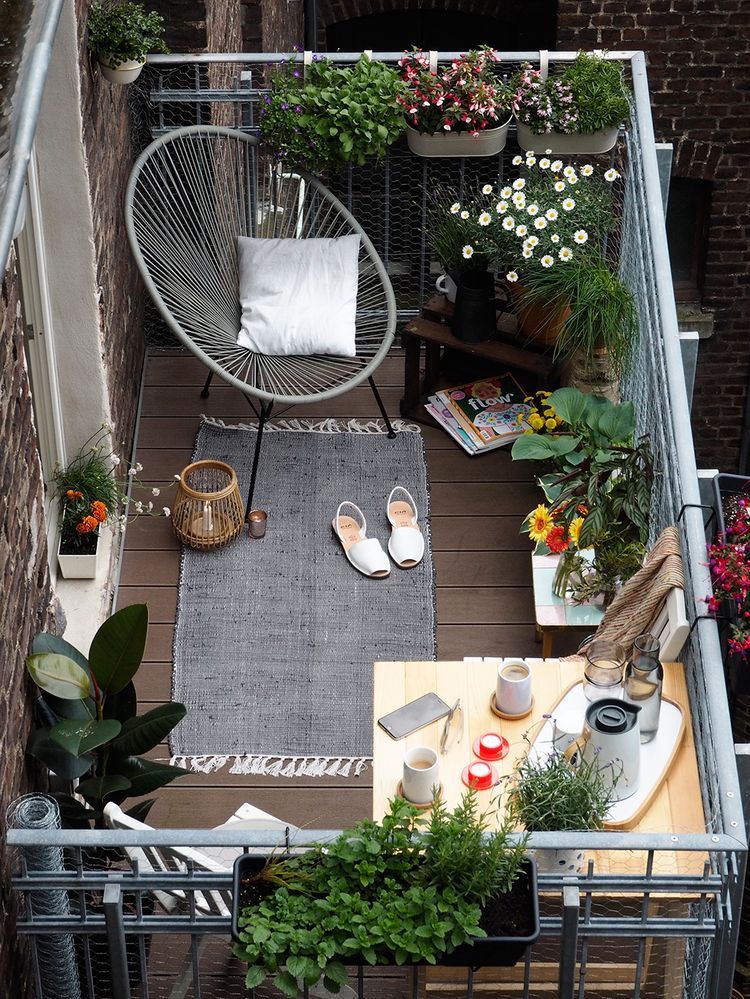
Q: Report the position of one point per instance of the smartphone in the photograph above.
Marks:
(414, 715)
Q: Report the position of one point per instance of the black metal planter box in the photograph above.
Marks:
(726, 485)
(492, 951)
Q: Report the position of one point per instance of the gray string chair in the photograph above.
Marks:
(191, 193)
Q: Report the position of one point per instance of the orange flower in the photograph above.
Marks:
(74, 494)
(556, 540)
(99, 511)
(87, 525)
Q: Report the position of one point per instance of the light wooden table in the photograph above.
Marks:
(675, 808)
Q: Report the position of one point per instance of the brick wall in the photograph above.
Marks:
(25, 586)
(271, 25)
(109, 154)
(699, 73)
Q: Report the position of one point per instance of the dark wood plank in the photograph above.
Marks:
(503, 568)
(497, 466)
(481, 498)
(476, 534)
(455, 641)
(161, 600)
(150, 568)
(485, 605)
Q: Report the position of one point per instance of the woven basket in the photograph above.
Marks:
(208, 511)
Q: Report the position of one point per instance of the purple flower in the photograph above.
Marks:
(296, 73)
(298, 109)
(285, 106)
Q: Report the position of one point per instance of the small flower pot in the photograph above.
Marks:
(571, 144)
(121, 72)
(78, 566)
(489, 142)
(537, 321)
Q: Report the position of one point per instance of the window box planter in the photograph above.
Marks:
(573, 143)
(79, 565)
(511, 921)
(726, 486)
(489, 142)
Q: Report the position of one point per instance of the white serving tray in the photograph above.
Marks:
(656, 756)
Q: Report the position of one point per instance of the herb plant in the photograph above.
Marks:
(120, 32)
(339, 114)
(379, 892)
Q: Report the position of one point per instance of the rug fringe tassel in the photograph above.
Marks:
(276, 766)
(325, 426)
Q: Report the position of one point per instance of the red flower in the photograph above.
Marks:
(557, 541)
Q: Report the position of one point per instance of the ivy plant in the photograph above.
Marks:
(119, 32)
(337, 114)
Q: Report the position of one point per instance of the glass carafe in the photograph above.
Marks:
(643, 681)
(604, 662)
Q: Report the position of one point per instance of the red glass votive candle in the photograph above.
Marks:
(479, 775)
(491, 746)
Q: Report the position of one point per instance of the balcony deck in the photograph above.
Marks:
(483, 571)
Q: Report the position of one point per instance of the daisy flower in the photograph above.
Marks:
(155, 491)
(547, 152)
(580, 236)
(484, 219)
(544, 163)
(506, 192)
(464, 214)
(487, 189)
(611, 175)
(540, 223)
(569, 204)
(455, 208)
(547, 260)
(551, 215)
(527, 252)
(559, 185)
(569, 171)
(540, 523)
(586, 170)
(511, 276)
(532, 241)
(518, 185)
(166, 511)
(508, 223)
(533, 209)
(517, 160)
(556, 166)
(554, 238)
(521, 230)
(565, 254)
(501, 207)
(572, 179)
(468, 252)
(530, 160)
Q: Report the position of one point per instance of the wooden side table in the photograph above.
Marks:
(433, 330)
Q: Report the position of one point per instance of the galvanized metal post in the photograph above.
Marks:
(118, 956)
(569, 941)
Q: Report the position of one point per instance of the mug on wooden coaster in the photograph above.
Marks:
(513, 691)
(420, 774)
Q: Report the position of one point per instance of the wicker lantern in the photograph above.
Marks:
(208, 510)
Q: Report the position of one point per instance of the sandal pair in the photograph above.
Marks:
(405, 545)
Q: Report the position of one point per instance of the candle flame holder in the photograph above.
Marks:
(208, 511)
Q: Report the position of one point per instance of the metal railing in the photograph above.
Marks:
(632, 924)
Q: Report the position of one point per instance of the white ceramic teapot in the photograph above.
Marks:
(611, 738)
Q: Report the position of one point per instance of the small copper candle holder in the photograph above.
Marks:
(256, 523)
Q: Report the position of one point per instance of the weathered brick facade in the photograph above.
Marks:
(25, 588)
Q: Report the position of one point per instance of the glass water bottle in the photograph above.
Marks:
(643, 681)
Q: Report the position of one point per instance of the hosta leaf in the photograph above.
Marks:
(58, 675)
(569, 404)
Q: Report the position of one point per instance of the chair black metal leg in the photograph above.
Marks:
(205, 393)
(265, 412)
(381, 407)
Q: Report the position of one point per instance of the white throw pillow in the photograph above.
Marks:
(298, 296)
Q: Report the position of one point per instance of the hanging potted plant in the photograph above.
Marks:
(549, 793)
(390, 892)
(120, 35)
(463, 110)
(579, 111)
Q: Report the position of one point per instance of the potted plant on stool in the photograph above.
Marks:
(120, 36)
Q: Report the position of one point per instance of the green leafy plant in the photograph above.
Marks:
(88, 492)
(549, 794)
(92, 730)
(381, 893)
(120, 32)
(599, 92)
(602, 314)
(340, 114)
(451, 227)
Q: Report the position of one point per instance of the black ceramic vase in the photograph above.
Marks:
(474, 313)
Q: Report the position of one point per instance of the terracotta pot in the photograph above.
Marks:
(537, 320)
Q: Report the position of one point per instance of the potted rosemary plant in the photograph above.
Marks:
(579, 111)
(120, 35)
(388, 892)
(463, 110)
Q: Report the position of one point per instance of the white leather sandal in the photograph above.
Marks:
(406, 543)
(365, 554)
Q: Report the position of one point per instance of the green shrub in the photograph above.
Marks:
(124, 31)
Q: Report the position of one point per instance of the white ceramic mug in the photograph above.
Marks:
(420, 775)
(513, 692)
(447, 286)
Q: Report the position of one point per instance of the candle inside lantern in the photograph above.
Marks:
(207, 525)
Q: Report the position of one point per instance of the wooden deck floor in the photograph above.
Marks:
(482, 566)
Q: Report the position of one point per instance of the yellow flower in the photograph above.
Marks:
(574, 530)
(529, 431)
(519, 418)
(528, 399)
(549, 412)
(550, 424)
(540, 523)
(536, 421)
(545, 394)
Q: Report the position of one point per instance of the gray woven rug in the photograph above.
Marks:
(275, 639)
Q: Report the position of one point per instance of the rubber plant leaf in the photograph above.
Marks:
(99, 788)
(117, 648)
(81, 709)
(55, 758)
(59, 676)
(80, 737)
(122, 705)
(145, 776)
(145, 732)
